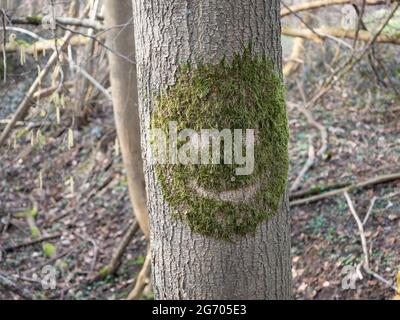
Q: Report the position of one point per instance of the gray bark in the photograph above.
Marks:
(187, 265)
(120, 38)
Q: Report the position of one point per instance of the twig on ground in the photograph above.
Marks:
(53, 260)
(115, 262)
(11, 285)
(318, 189)
(143, 278)
(95, 253)
(76, 22)
(31, 242)
(391, 195)
(50, 90)
(90, 78)
(308, 164)
(323, 131)
(363, 184)
(95, 248)
(311, 151)
(371, 206)
(364, 245)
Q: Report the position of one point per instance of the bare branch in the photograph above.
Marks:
(323, 3)
(364, 244)
(363, 184)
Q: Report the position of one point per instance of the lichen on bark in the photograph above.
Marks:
(241, 93)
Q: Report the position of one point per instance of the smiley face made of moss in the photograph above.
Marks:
(244, 94)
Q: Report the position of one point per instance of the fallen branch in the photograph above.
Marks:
(38, 20)
(365, 263)
(371, 206)
(92, 80)
(323, 131)
(44, 45)
(115, 262)
(309, 163)
(31, 242)
(95, 253)
(18, 123)
(52, 260)
(12, 286)
(46, 92)
(363, 184)
(318, 189)
(142, 279)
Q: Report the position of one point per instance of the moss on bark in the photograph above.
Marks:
(244, 93)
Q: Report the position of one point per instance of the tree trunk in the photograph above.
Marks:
(190, 263)
(125, 100)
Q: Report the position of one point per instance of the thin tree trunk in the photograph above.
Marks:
(185, 264)
(124, 92)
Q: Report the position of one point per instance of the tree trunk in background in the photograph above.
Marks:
(185, 264)
(124, 93)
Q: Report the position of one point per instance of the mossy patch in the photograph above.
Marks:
(35, 232)
(104, 271)
(49, 249)
(34, 19)
(243, 93)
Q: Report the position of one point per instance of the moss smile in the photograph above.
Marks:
(243, 93)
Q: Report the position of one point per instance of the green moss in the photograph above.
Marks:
(49, 249)
(35, 232)
(244, 93)
(22, 43)
(28, 213)
(139, 261)
(34, 19)
(104, 271)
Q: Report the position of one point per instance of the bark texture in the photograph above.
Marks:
(120, 38)
(187, 265)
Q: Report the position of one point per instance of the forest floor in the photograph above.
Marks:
(79, 195)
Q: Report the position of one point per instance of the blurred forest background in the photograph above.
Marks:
(64, 198)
